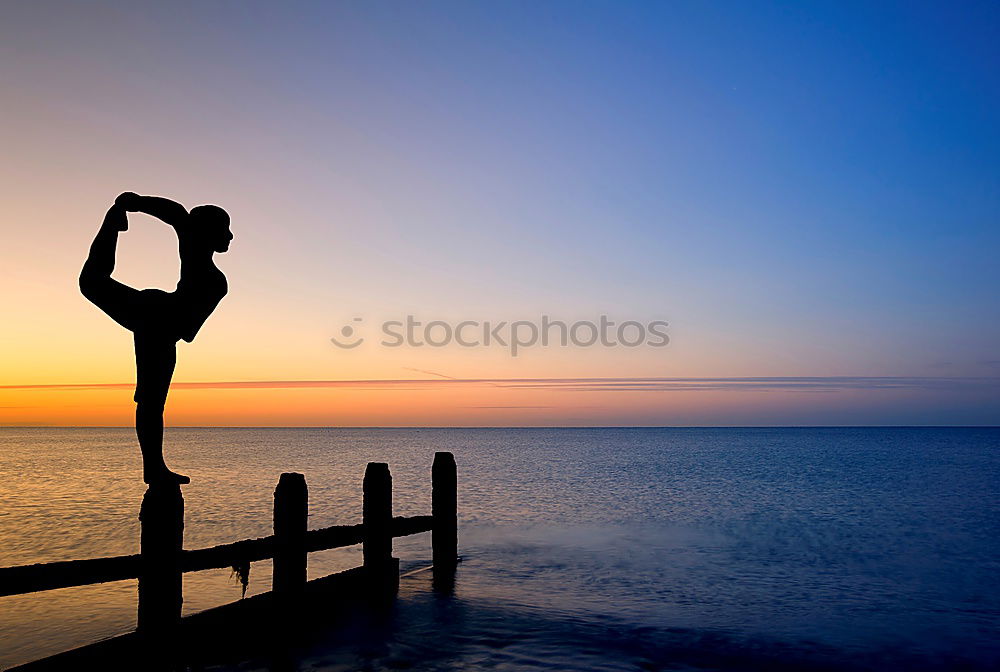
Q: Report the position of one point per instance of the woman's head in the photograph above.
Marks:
(210, 223)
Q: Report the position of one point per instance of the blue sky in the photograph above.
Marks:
(801, 189)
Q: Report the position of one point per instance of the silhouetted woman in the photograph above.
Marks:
(158, 319)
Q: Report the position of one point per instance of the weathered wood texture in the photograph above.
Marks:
(291, 511)
(53, 575)
(444, 509)
(377, 512)
(160, 574)
(162, 559)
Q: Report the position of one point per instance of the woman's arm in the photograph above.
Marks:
(171, 212)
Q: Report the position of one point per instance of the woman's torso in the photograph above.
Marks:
(199, 290)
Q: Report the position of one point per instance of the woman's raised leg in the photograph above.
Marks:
(117, 300)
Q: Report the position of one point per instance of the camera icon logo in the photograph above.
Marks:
(347, 331)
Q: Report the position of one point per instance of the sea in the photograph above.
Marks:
(582, 549)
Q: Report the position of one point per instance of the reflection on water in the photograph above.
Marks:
(585, 549)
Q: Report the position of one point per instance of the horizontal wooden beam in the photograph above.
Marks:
(227, 555)
(336, 536)
(403, 527)
(52, 575)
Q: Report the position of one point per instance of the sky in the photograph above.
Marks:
(807, 193)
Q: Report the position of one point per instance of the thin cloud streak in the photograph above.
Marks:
(509, 407)
(772, 383)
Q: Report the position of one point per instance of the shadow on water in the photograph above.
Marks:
(427, 631)
(425, 628)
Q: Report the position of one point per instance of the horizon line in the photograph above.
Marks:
(632, 384)
(507, 427)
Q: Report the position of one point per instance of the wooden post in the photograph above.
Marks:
(161, 537)
(444, 509)
(291, 509)
(382, 569)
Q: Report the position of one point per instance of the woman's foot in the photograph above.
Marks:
(164, 477)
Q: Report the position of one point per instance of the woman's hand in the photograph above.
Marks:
(164, 209)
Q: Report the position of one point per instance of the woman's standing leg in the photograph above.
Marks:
(155, 357)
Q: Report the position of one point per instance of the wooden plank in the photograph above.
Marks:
(336, 536)
(52, 575)
(444, 509)
(404, 527)
(227, 555)
(67, 574)
(381, 569)
(161, 574)
(377, 515)
(291, 511)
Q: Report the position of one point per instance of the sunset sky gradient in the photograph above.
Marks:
(807, 193)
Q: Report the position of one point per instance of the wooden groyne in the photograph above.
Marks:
(162, 560)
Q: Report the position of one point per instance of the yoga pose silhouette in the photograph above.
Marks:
(158, 319)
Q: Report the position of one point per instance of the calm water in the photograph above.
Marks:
(607, 549)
